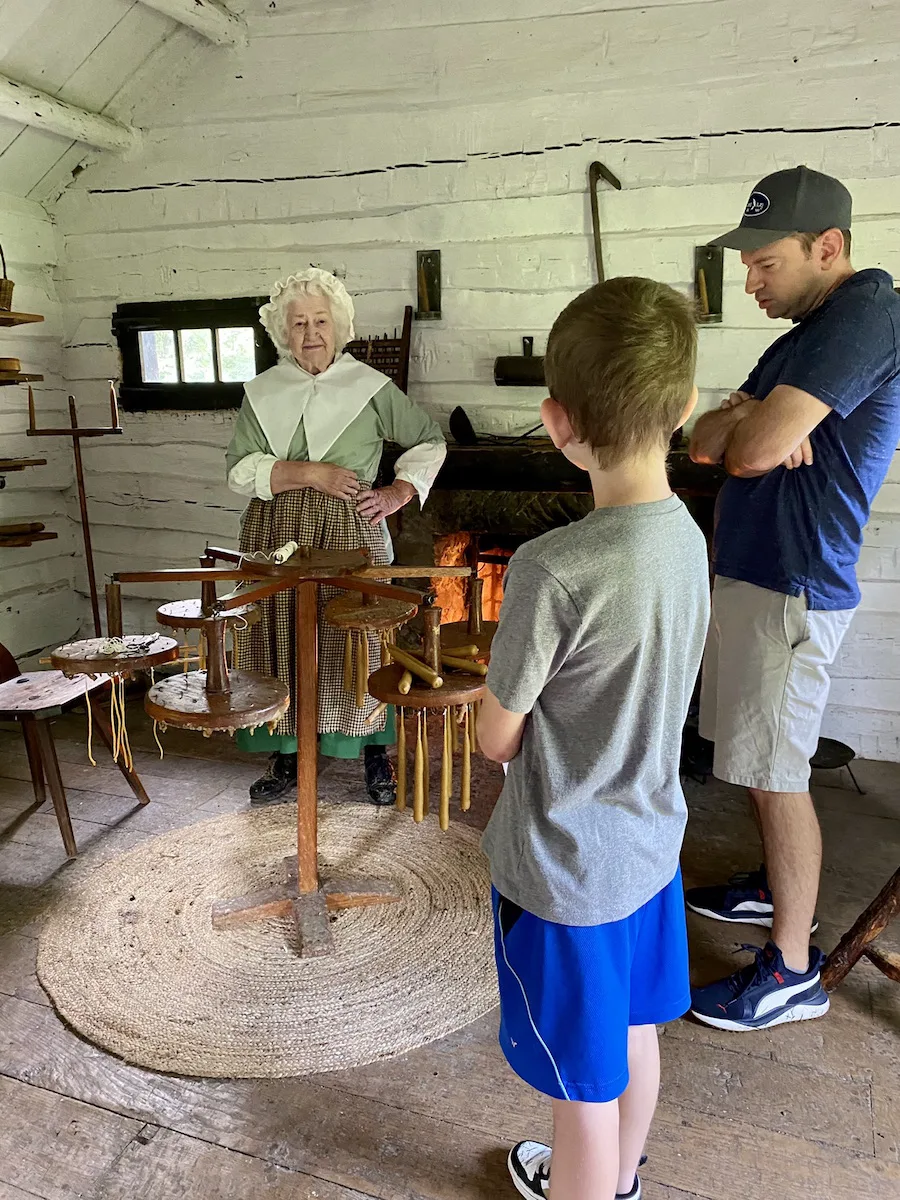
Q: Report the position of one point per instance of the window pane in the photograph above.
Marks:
(158, 364)
(237, 355)
(197, 356)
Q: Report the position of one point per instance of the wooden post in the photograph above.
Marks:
(207, 596)
(85, 526)
(476, 588)
(431, 615)
(217, 681)
(113, 610)
(306, 713)
(114, 410)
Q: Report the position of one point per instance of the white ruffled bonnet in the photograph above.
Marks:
(272, 315)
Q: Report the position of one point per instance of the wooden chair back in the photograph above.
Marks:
(390, 355)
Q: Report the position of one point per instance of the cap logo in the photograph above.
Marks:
(757, 205)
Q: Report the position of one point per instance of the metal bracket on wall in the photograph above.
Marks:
(708, 265)
(428, 283)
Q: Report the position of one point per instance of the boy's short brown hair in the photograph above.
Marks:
(620, 361)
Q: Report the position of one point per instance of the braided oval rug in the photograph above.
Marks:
(131, 961)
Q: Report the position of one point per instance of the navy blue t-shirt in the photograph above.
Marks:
(800, 532)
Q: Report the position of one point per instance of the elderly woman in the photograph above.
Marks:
(306, 447)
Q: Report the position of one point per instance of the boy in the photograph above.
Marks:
(593, 664)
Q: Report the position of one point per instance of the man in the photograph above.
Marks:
(807, 441)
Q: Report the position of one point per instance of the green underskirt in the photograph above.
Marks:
(332, 745)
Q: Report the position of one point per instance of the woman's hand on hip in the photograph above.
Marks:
(322, 477)
(379, 503)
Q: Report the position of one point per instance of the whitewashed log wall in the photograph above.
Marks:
(38, 606)
(351, 134)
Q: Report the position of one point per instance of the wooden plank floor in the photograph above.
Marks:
(801, 1113)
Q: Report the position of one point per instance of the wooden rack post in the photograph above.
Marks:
(76, 434)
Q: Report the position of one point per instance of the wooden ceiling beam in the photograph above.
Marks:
(25, 104)
(205, 17)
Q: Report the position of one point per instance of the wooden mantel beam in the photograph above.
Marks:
(25, 104)
(205, 17)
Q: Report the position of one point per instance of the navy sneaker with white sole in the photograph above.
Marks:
(745, 899)
(529, 1166)
(763, 994)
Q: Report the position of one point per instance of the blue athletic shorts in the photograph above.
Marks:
(568, 993)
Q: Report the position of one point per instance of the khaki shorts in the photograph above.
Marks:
(765, 684)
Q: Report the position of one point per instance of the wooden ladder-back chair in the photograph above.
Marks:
(33, 699)
(387, 354)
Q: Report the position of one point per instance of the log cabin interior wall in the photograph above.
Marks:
(352, 133)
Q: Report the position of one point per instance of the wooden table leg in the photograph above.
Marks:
(33, 750)
(105, 730)
(855, 942)
(54, 780)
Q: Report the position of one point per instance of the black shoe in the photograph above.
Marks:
(381, 783)
(280, 777)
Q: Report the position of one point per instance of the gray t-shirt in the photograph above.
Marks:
(600, 639)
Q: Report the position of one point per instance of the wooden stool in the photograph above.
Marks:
(859, 941)
(831, 756)
(33, 699)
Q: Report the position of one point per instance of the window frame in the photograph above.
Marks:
(130, 320)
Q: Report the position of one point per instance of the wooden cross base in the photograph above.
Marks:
(309, 909)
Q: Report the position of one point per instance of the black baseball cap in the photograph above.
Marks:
(795, 201)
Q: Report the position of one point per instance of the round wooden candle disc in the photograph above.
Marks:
(457, 634)
(350, 612)
(311, 563)
(457, 689)
(96, 656)
(188, 614)
(182, 700)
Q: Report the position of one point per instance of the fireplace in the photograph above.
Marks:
(489, 499)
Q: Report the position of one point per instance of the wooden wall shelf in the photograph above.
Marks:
(17, 318)
(8, 536)
(19, 464)
(8, 377)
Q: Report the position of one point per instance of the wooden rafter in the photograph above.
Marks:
(25, 104)
(205, 17)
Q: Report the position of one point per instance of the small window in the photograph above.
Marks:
(190, 353)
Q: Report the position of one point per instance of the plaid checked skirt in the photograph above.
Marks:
(310, 519)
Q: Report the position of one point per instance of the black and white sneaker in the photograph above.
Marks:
(529, 1166)
(745, 899)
